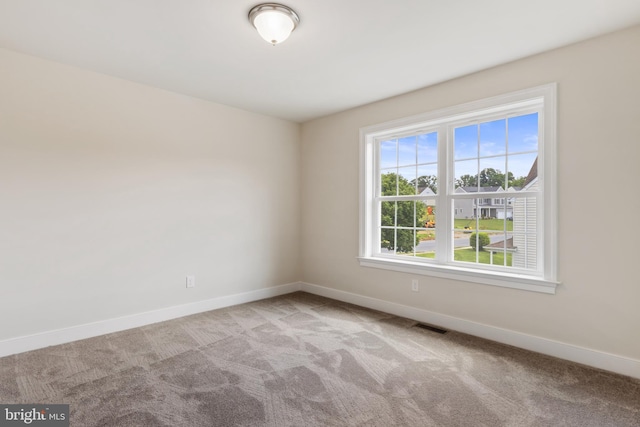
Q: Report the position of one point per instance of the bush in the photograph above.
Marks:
(405, 243)
(484, 240)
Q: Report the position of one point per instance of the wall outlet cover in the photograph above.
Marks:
(191, 281)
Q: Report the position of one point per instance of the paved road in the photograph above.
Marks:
(430, 245)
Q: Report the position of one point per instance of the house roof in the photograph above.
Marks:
(533, 173)
(471, 189)
(498, 246)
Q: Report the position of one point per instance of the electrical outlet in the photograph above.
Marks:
(191, 281)
(415, 287)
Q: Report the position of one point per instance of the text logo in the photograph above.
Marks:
(40, 415)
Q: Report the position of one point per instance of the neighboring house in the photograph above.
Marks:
(525, 223)
(428, 192)
(499, 206)
(491, 207)
(430, 217)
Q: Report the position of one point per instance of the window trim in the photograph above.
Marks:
(524, 99)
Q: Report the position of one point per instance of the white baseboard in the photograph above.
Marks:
(585, 356)
(89, 330)
(596, 359)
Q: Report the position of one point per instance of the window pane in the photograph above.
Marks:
(503, 209)
(405, 241)
(407, 151)
(466, 174)
(426, 214)
(507, 234)
(524, 168)
(407, 181)
(406, 214)
(426, 246)
(389, 184)
(464, 209)
(492, 173)
(387, 214)
(490, 208)
(500, 252)
(465, 142)
(426, 229)
(493, 138)
(428, 148)
(427, 180)
(413, 218)
(523, 133)
(388, 154)
(387, 240)
(485, 247)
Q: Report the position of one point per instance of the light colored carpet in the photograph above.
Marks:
(302, 360)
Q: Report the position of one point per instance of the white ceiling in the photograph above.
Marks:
(345, 53)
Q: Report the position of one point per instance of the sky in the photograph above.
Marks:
(501, 144)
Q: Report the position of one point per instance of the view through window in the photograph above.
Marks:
(493, 195)
(464, 188)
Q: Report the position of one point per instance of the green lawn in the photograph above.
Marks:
(485, 224)
(426, 235)
(460, 224)
(469, 255)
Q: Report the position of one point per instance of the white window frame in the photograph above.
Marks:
(545, 278)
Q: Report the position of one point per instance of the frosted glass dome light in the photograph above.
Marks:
(274, 21)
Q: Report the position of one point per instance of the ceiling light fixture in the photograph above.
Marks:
(274, 21)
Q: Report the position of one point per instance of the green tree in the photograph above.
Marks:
(518, 182)
(466, 181)
(483, 240)
(424, 181)
(400, 214)
(490, 177)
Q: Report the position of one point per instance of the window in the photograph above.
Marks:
(433, 192)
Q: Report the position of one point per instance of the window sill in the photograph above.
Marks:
(505, 280)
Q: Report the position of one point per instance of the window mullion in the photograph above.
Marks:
(443, 203)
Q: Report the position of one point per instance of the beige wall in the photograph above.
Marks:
(596, 306)
(111, 192)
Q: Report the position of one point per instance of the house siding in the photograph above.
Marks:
(524, 230)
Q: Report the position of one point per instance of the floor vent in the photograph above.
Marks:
(431, 328)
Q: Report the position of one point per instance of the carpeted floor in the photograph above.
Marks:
(302, 360)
